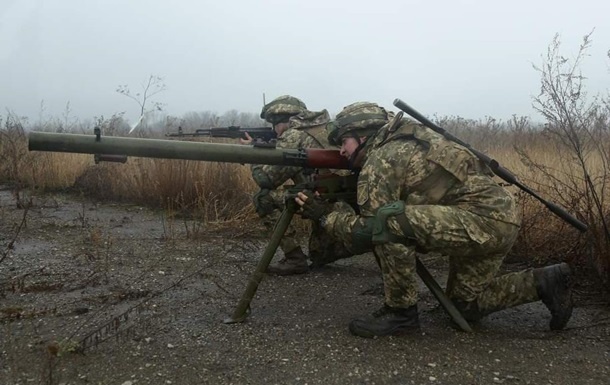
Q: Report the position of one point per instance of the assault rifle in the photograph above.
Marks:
(333, 188)
(265, 134)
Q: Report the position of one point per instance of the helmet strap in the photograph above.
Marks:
(354, 157)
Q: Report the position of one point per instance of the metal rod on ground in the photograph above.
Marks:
(438, 292)
(243, 307)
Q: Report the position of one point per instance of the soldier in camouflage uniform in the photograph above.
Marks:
(296, 128)
(419, 192)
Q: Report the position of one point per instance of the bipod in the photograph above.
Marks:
(243, 306)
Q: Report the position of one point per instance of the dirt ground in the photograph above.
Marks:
(147, 305)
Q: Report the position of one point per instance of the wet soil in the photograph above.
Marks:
(118, 294)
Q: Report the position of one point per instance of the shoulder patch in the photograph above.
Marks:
(363, 191)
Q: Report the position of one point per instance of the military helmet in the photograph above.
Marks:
(359, 119)
(282, 108)
(331, 132)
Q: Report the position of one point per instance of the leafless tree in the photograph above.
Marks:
(577, 126)
(152, 87)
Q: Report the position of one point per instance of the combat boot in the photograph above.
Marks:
(294, 262)
(387, 321)
(553, 285)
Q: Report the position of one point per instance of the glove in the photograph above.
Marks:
(314, 207)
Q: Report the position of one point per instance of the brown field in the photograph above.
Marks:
(219, 192)
(122, 273)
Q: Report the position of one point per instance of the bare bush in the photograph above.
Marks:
(144, 98)
(566, 160)
(576, 132)
(13, 149)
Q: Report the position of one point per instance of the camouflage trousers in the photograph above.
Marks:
(322, 248)
(475, 246)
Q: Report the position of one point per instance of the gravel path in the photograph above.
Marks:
(148, 304)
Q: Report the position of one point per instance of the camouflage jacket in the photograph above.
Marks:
(420, 167)
(306, 130)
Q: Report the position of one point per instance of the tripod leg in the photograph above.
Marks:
(243, 307)
(440, 295)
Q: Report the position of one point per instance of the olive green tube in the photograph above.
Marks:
(243, 307)
(176, 149)
(440, 295)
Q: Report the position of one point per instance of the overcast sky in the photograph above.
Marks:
(459, 57)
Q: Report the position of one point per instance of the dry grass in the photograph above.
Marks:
(207, 191)
(216, 193)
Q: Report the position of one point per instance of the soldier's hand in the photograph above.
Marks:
(312, 207)
(248, 139)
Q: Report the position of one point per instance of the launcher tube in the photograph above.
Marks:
(173, 149)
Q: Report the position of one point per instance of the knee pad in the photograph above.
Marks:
(263, 202)
(262, 179)
(381, 233)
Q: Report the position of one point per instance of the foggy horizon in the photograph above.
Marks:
(462, 58)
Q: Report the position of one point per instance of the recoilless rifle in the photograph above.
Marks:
(331, 188)
(264, 134)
